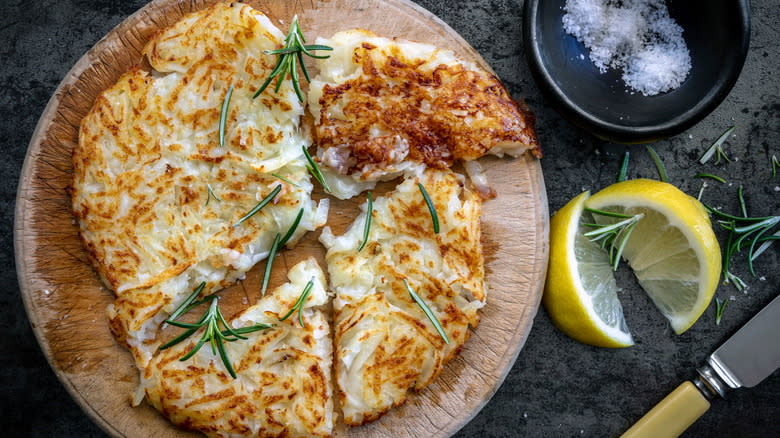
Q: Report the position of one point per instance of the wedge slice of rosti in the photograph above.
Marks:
(384, 343)
(382, 107)
(158, 199)
(283, 384)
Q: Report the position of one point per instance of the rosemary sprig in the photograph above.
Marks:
(285, 179)
(612, 237)
(213, 334)
(720, 306)
(428, 312)
(367, 227)
(710, 176)
(717, 148)
(775, 166)
(299, 303)
(431, 208)
(315, 170)
(210, 193)
(745, 232)
(623, 169)
(287, 57)
(223, 116)
(279, 242)
(260, 205)
(658, 163)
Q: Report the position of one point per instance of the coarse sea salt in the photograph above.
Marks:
(635, 36)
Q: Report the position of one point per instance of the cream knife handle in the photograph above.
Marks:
(672, 415)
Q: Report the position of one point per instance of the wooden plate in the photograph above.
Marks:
(66, 303)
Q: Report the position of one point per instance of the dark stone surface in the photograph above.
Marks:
(558, 387)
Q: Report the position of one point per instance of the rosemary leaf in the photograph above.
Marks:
(260, 205)
(315, 170)
(658, 163)
(742, 202)
(277, 68)
(623, 169)
(428, 312)
(223, 116)
(178, 339)
(710, 176)
(775, 166)
(181, 309)
(720, 306)
(285, 179)
(228, 328)
(431, 208)
(305, 295)
(717, 148)
(367, 227)
(210, 193)
(249, 329)
(608, 213)
(224, 356)
(292, 229)
(269, 264)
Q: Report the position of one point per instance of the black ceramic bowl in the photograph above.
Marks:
(717, 33)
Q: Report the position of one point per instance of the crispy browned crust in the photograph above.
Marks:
(446, 114)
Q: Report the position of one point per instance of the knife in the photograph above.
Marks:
(747, 358)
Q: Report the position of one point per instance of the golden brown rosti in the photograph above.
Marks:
(283, 373)
(384, 343)
(382, 107)
(158, 199)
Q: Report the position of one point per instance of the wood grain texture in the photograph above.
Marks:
(66, 302)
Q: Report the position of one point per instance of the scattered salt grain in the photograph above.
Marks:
(762, 278)
(777, 188)
(525, 414)
(636, 36)
(732, 298)
(46, 292)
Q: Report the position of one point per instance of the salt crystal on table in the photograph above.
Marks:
(636, 36)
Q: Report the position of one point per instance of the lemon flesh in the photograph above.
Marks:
(580, 292)
(672, 250)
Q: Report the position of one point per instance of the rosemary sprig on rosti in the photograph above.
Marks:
(431, 208)
(428, 312)
(299, 303)
(294, 48)
(213, 334)
(367, 226)
(260, 205)
(279, 242)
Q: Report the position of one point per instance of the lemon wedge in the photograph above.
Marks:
(672, 250)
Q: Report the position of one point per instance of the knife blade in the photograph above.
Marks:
(753, 353)
(744, 360)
